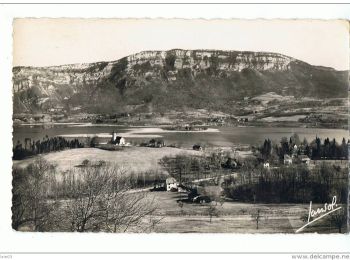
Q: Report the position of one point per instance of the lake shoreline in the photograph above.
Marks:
(256, 125)
(176, 120)
(214, 136)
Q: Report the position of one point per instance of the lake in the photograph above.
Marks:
(215, 136)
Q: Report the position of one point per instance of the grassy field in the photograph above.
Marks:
(135, 159)
(294, 118)
(233, 217)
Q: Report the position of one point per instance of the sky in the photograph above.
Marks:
(47, 42)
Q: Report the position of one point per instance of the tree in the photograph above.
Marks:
(30, 205)
(83, 208)
(212, 211)
(170, 61)
(308, 151)
(344, 149)
(100, 200)
(295, 139)
(316, 151)
(256, 216)
(94, 141)
(182, 166)
(284, 147)
(124, 210)
(305, 142)
(180, 204)
(266, 149)
(326, 148)
(85, 162)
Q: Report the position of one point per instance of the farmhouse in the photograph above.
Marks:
(266, 165)
(120, 140)
(117, 140)
(171, 183)
(287, 160)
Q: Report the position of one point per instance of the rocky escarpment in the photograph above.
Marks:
(161, 80)
(204, 59)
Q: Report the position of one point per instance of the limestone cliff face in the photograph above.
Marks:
(75, 75)
(203, 59)
(47, 78)
(245, 73)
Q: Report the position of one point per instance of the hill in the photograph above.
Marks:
(162, 81)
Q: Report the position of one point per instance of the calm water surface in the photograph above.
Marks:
(226, 136)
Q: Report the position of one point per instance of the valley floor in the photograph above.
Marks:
(233, 217)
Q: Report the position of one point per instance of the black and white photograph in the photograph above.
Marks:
(180, 126)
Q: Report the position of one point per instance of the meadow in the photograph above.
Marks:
(135, 159)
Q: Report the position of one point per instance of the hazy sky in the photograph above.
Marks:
(45, 42)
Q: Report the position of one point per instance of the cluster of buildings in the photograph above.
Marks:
(118, 140)
(288, 160)
(295, 157)
(170, 184)
(194, 194)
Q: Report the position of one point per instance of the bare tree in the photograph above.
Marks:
(102, 199)
(180, 204)
(85, 199)
(83, 207)
(127, 212)
(212, 211)
(31, 206)
(256, 216)
(123, 208)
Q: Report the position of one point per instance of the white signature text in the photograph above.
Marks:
(320, 212)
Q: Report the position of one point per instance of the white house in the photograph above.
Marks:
(295, 151)
(117, 140)
(287, 160)
(171, 183)
(120, 140)
(266, 165)
(295, 148)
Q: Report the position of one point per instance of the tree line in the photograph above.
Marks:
(316, 150)
(46, 145)
(292, 184)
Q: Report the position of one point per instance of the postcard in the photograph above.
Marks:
(180, 126)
